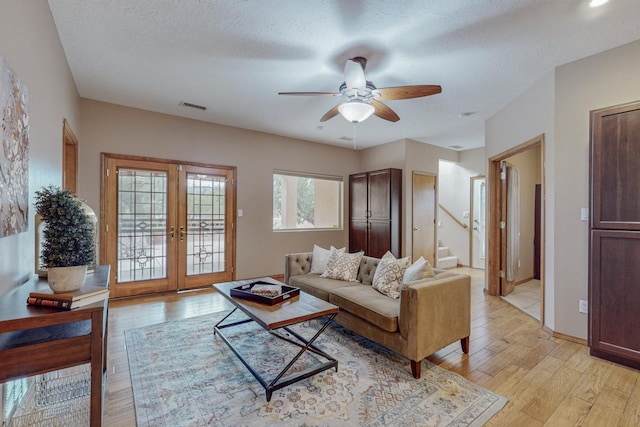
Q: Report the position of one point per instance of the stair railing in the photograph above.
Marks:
(445, 210)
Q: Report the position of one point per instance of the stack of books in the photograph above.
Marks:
(88, 294)
(266, 290)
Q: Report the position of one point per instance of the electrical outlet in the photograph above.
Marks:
(583, 308)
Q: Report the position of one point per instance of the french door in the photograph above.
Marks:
(166, 225)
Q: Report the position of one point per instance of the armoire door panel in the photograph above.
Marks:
(616, 292)
(358, 236)
(379, 238)
(379, 195)
(616, 161)
(358, 196)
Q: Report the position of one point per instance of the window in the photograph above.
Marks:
(306, 202)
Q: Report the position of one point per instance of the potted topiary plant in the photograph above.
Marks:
(68, 246)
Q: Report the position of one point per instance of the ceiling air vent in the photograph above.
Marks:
(456, 147)
(196, 106)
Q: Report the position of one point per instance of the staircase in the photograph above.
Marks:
(445, 258)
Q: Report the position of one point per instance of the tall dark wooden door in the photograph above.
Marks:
(614, 288)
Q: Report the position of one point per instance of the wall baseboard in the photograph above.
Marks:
(564, 336)
(278, 277)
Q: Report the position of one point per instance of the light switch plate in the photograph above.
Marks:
(584, 214)
(583, 307)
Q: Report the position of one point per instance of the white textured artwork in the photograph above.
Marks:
(14, 153)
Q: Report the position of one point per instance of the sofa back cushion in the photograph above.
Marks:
(343, 266)
(367, 270)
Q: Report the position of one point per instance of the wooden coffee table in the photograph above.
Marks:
(280, 316)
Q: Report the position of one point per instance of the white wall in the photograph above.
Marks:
(260, 251)
(29, 44)
(474, 160)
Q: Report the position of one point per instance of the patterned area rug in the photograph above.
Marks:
(184, 376)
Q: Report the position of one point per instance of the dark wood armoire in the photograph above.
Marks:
(614, 245)
(375, 210)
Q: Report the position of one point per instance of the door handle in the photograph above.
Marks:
(182, 234)
(416, 229)
(172, 232)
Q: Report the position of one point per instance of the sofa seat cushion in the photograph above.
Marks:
(368, 304)
(317, 286)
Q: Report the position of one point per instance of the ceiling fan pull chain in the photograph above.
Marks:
(353, 124)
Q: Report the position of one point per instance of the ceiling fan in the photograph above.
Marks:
(362, 98)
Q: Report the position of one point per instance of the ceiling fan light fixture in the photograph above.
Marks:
(356, 110)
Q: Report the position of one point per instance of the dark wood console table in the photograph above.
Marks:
(35, 340)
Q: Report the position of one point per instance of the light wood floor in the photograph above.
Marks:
(548, 381)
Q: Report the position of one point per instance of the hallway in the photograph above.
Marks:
(526, 297)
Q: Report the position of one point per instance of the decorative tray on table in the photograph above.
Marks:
(265, 292)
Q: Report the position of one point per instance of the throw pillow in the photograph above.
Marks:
(320, 257)
(343, 266)
(389, 274)
(420, 269)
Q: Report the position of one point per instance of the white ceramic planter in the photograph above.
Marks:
(66, 279)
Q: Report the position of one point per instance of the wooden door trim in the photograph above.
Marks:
(471, 218)
(69, 158)
(493, 232)
(168, 161)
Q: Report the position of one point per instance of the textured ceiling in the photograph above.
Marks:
(234, 56)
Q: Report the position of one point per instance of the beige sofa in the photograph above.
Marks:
(429, 315)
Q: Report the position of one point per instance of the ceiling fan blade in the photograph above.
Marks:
(354, 73)
(310, 93)
(330, 114)
(384, 112)
(408, 92)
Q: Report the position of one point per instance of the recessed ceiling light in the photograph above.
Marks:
(466, 114)
(596, 3)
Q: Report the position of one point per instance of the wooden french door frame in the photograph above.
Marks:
(177, 230)
(496, 249)
(187, 279)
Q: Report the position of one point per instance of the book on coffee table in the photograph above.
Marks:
(88, 294)
(267, 290)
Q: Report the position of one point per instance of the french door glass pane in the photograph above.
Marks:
(142, 225)
(205, 223)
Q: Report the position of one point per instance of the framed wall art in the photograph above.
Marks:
(14, 153)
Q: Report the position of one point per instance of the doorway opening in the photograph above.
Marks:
(516, 259)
